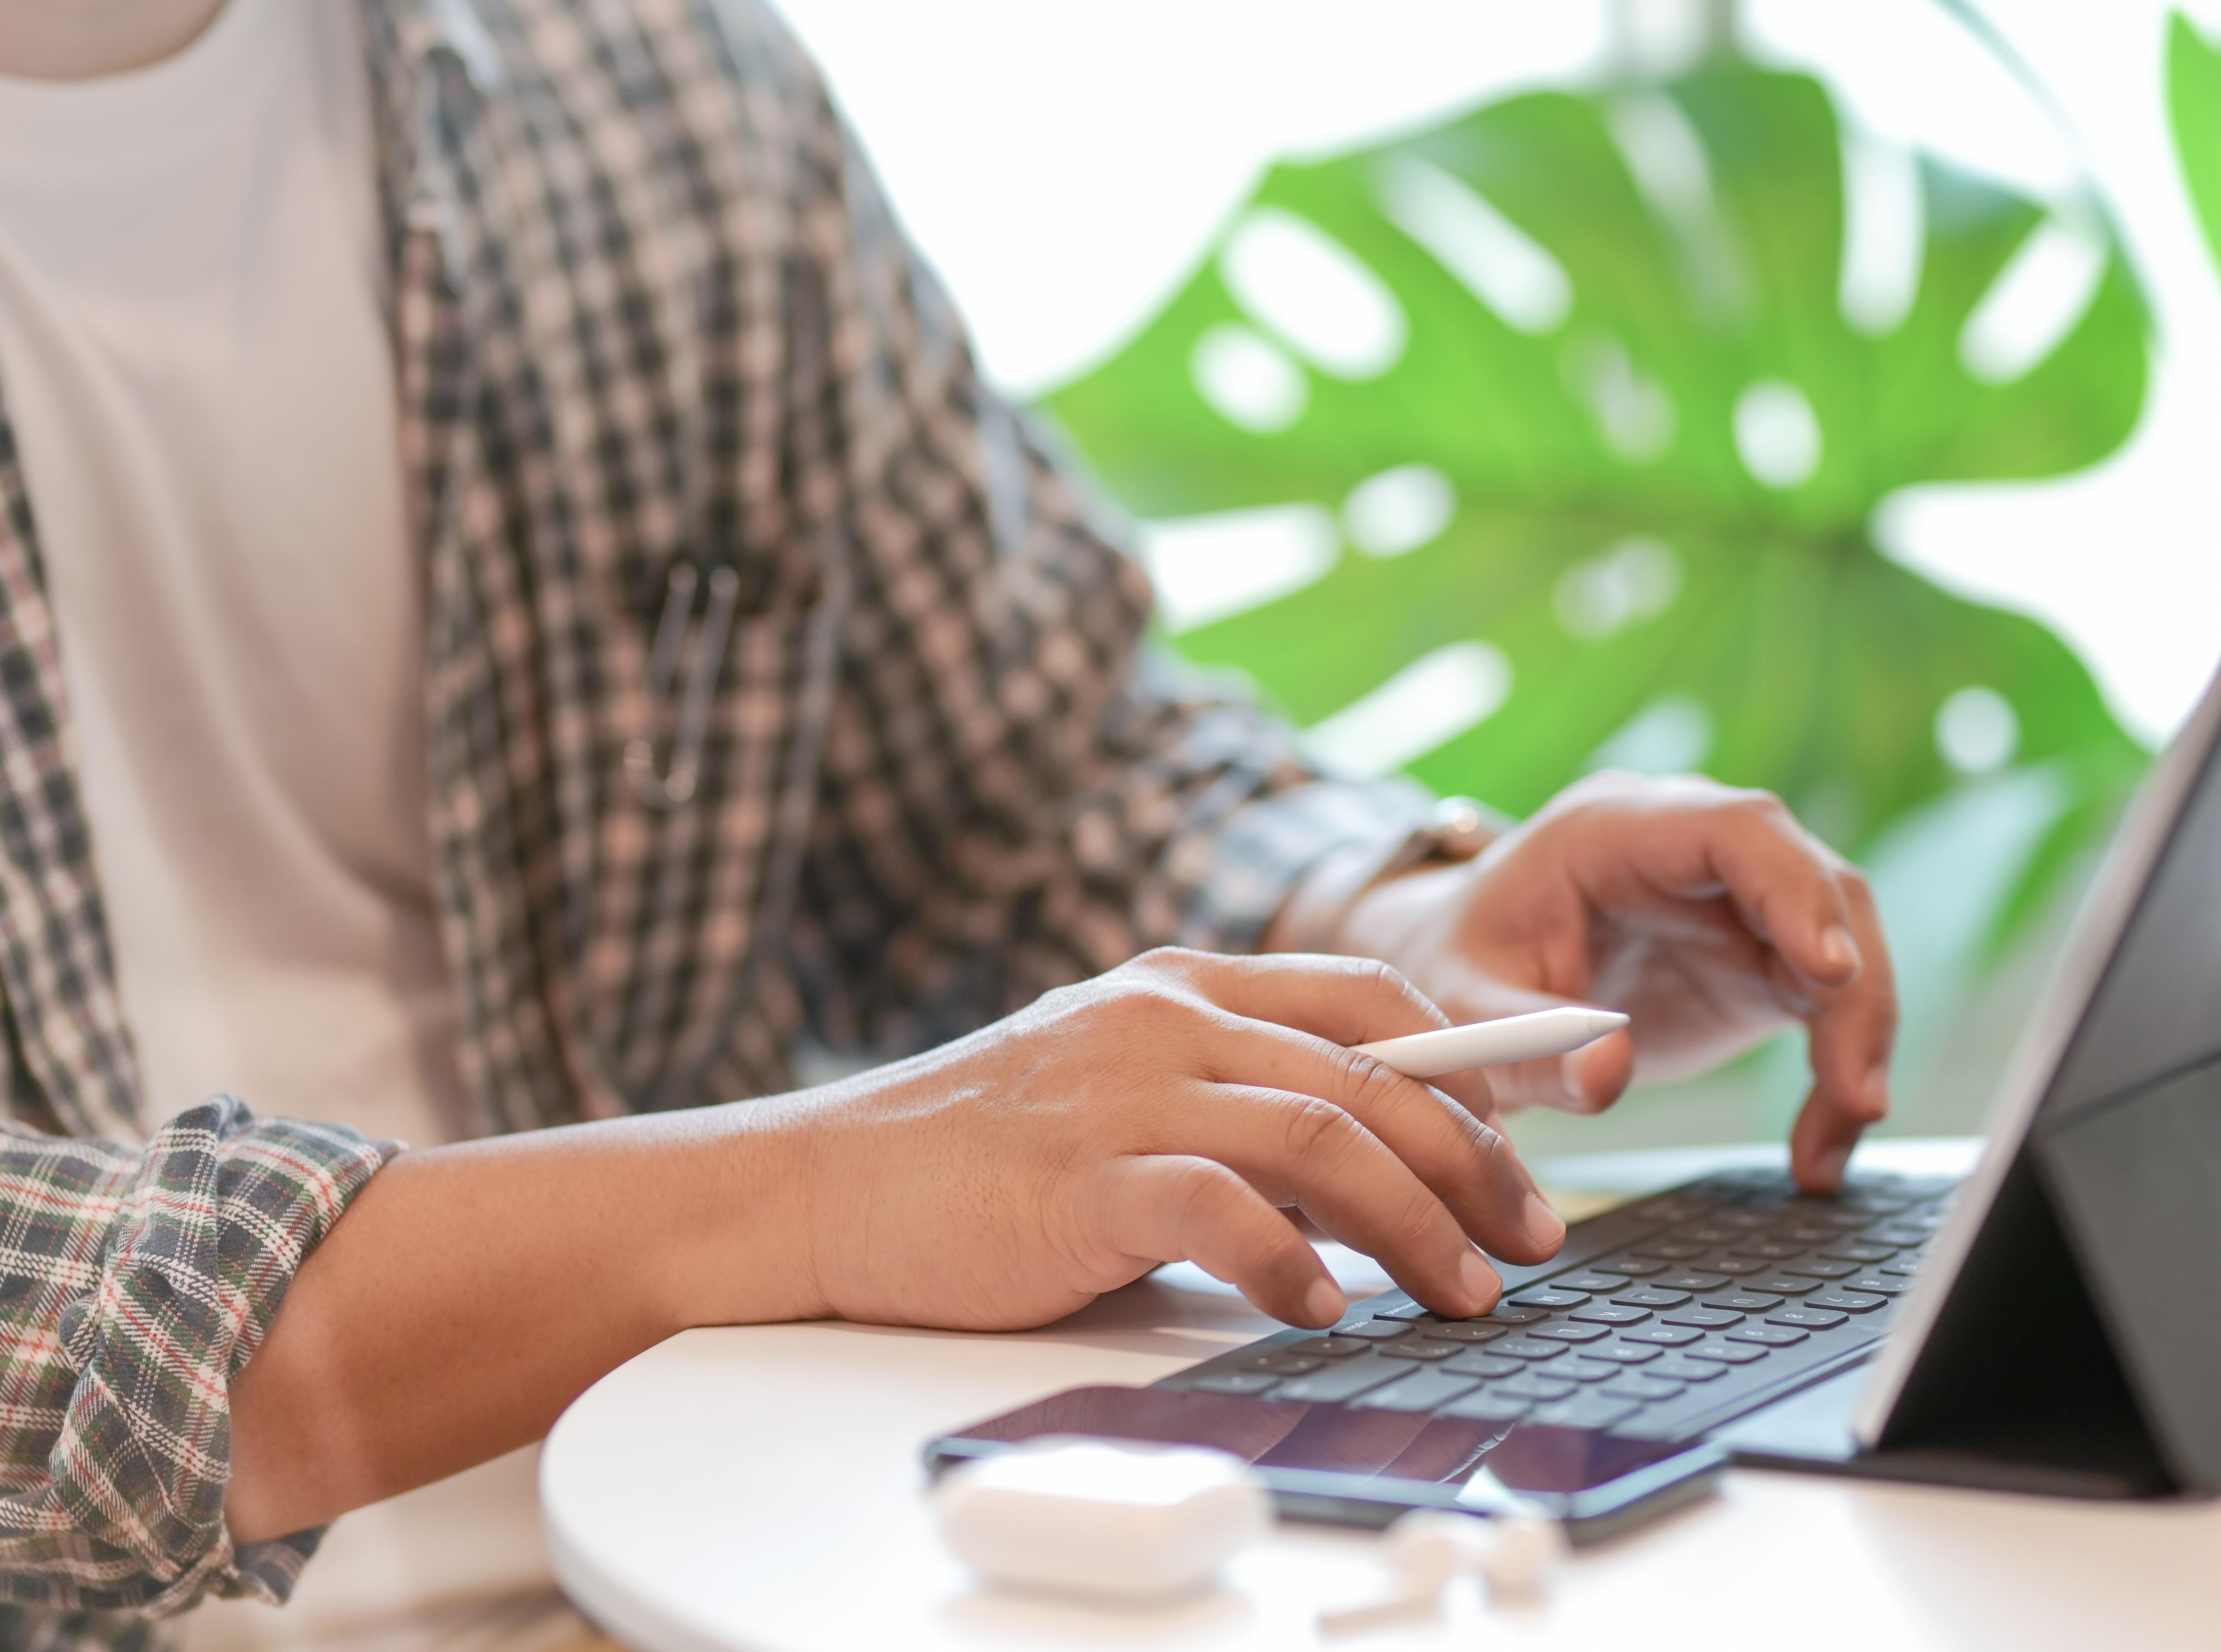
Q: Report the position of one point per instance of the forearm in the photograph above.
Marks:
(471, 1293)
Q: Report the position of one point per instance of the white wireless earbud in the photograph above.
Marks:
(1428, 1548)
(1524, 1555)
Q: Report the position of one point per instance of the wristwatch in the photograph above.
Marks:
(1459, 829)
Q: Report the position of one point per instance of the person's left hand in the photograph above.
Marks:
(1707, 914)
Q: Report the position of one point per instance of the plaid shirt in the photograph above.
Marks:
(779, 680)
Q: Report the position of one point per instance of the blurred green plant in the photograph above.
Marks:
(1586, 422)
(2193, 107)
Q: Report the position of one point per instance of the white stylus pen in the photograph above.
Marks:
(1493, 1043)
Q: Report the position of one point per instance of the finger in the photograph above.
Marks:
(1588, 1080)
(1786, 884)
(1593, 1077)
(1172, 1209)
(1341, 1000)
(1853, 1033)
(1298, 1149)
(1461, 1160)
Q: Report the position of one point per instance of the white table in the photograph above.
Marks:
(760, 1488)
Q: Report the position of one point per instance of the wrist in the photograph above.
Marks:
(1319, 916)
(1406, 919)
(738, 1245)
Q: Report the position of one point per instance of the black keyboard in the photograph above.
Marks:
(1659, 1320)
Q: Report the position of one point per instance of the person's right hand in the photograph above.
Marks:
(1158, 1113)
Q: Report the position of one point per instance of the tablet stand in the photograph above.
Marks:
(2019, 1386)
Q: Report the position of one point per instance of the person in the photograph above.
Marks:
(515, 608)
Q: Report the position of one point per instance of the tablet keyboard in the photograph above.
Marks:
(1659, 1320)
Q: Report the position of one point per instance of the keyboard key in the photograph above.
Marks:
(1508, 1313)
(1600, 1284)
(1487, 1405)
(1633, 1266)
(1421, 1391)
(1806, 1318)
(1549, 1296)
(1584, 1412)
(1643, 1389)
(1781, 1285)
(1327, 1347)
(1672, 1250)
(1859, 1250)
(1779, 1249)
(1339, 1382)
(1621, 1353)
(1605, 1314)
(1806, 1236)
(1727, 1353)
(1566, 1331)
(1526, 1347)
(1679, 1368)
(1814, 1267)
(1828, 1215)
(1418, 1348)
(1464, 1330)
(1282, 1364)
(1728, 1262)
(1704, 1318)
(1898, 1234)
(1651, 1296)
(1848, 1301)
(1875, 1201)
(1373, 1330)
(1663, 1336)
(1585, 1370)
(1408, 1310)
(1689, 1280)
(1531, 1385)
(1905, 1267)
(1235, 1382)
(1743, 1301)
(1770, 1336)
(1470, 1364)
(1888, 1285)
(1707, 1233)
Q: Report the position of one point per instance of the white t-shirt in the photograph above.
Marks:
(194, 357)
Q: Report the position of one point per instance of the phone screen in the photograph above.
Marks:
(1359, 1467)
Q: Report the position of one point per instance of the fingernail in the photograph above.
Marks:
(1482, 1284)
(1544, 1225)
(1323, 1302)
(1877, 1096)
(1839, 951)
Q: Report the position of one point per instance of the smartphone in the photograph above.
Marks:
(1348, 1466)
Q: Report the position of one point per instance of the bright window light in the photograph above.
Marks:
(1298, 282)
(1428, 703)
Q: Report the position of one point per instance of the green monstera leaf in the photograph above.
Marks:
(1579, 422)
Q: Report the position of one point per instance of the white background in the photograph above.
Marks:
(1064, 164)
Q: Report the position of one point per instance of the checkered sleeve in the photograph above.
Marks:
(1017, 791)
(136, 1283)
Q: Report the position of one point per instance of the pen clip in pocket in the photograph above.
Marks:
(697, 653)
